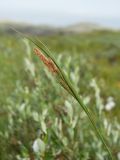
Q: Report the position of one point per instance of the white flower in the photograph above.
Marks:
(110, 104)
(38, 146)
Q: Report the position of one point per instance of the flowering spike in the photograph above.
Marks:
(47, 61)
(52, 68)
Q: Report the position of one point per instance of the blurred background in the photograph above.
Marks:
(38, 118)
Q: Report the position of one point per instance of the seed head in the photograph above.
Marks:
(52, 68)
(47, 61)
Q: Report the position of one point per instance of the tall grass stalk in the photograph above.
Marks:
(72, 90)
(69, 87)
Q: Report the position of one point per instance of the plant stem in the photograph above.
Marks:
(90, 117)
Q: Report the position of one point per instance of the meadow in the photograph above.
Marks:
(38, 118)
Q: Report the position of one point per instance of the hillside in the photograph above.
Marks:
(49, 30)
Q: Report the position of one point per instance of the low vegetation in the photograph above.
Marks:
(39, 119)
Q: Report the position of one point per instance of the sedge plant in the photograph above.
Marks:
(46, 57)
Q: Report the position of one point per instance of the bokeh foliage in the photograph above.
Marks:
(34, 106)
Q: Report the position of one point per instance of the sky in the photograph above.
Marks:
(61, 12)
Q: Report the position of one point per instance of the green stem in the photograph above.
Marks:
(89, 116)
(94, 126)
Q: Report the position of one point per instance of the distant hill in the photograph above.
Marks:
(83, 27)
(49, 30)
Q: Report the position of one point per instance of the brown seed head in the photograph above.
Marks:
(47, 61)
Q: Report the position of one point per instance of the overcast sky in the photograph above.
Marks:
(61, 12)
